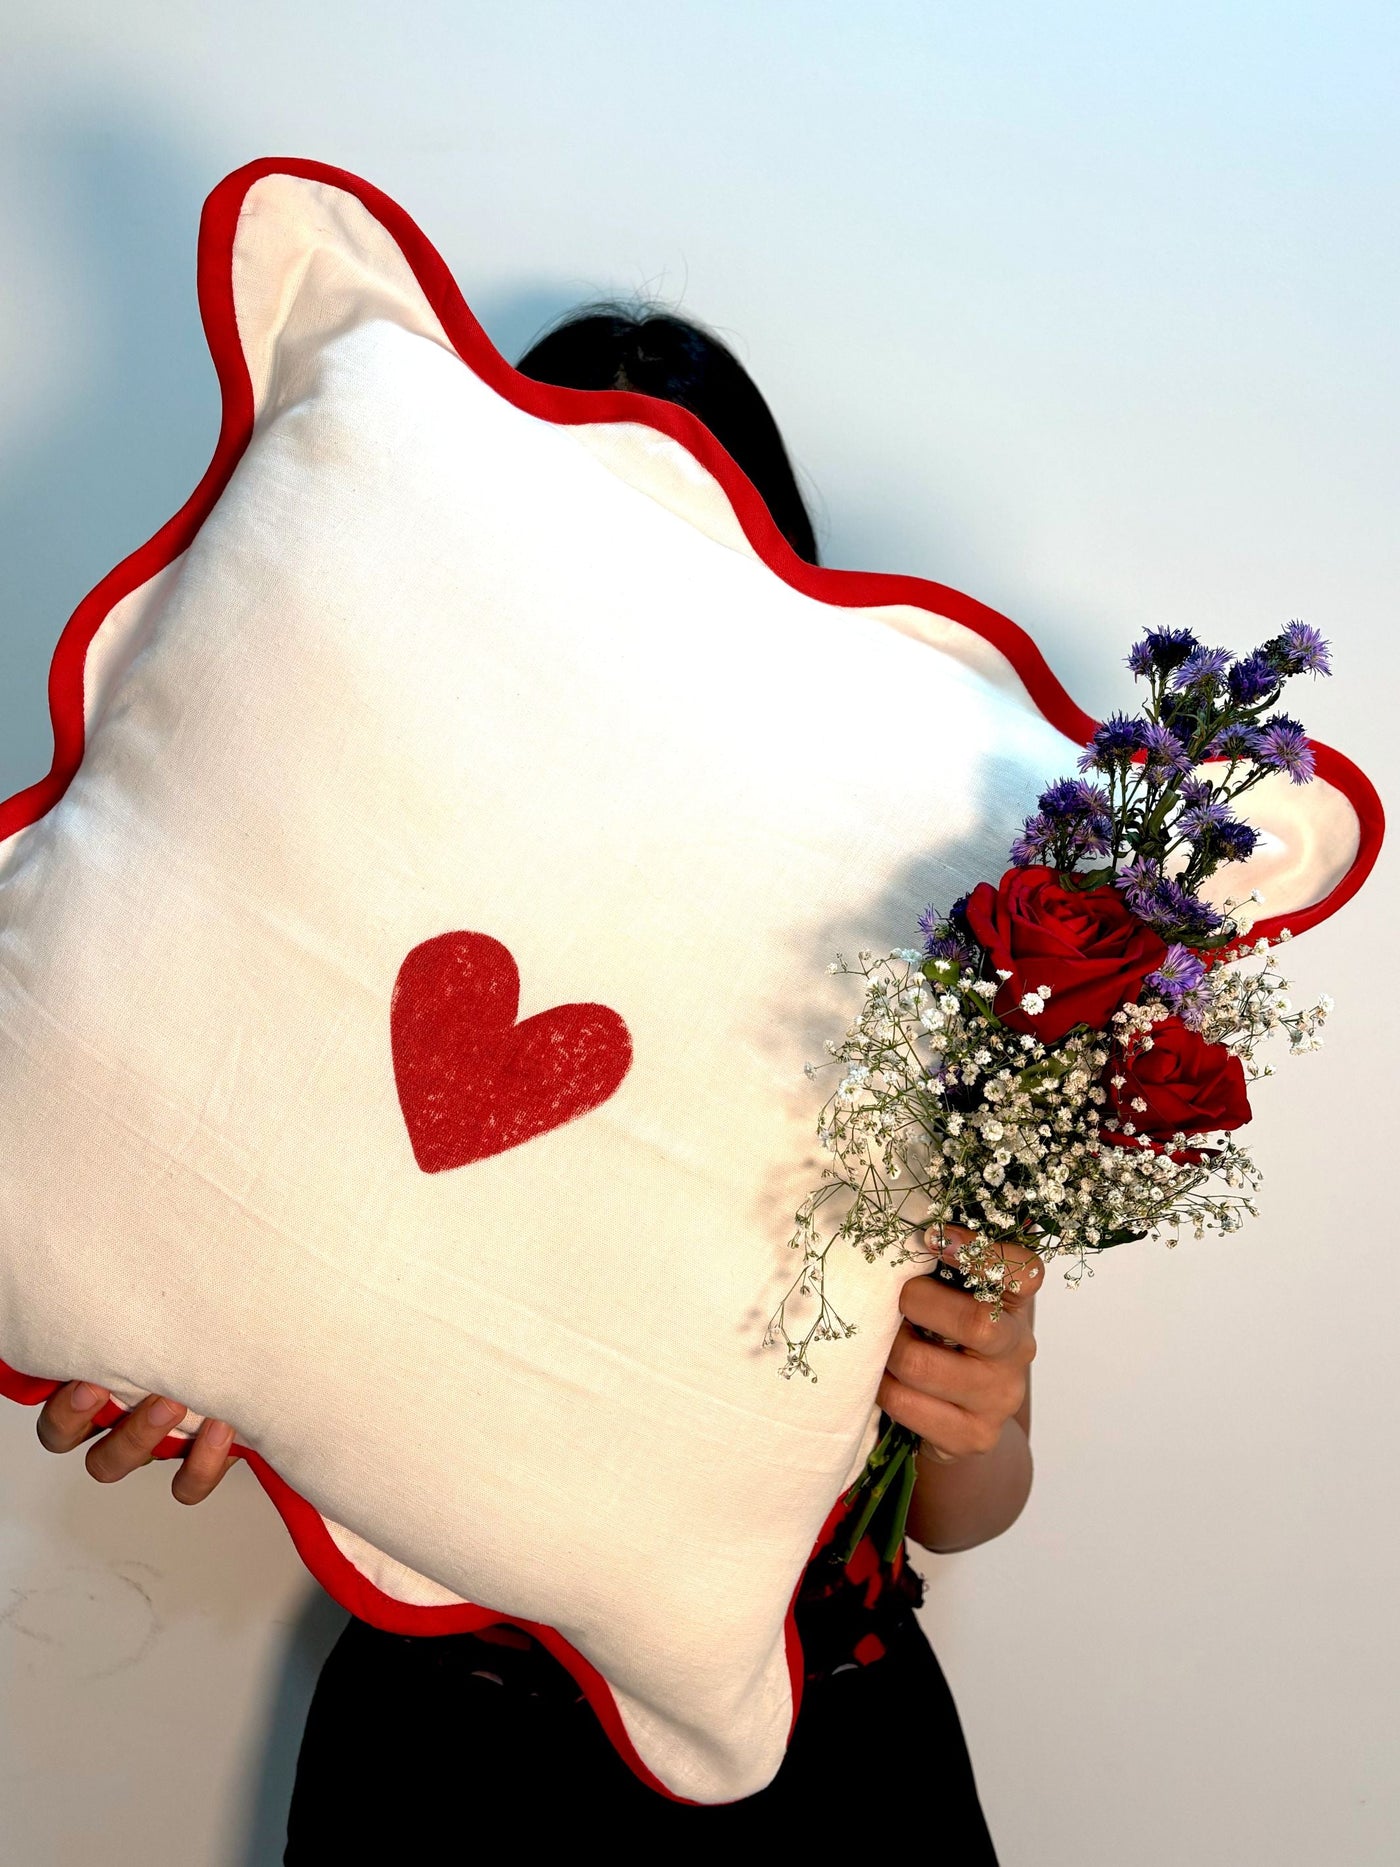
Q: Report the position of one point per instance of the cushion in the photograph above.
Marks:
(408, 967)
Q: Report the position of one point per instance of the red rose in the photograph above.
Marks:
(1187, 1084)
(1084, 944)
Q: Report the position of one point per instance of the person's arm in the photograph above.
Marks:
(968, 1397)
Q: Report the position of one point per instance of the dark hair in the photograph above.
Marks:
(656, 353)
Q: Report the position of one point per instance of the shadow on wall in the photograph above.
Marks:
(112, 450)
(272, 1769)
(514, 317)
(130, 425)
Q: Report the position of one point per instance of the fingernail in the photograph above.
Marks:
(218, 1434)
(165, 1413)
(85, 1398)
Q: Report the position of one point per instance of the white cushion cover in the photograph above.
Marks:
(441, 658)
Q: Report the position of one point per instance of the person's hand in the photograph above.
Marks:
(958, 1393)
(65, 1421)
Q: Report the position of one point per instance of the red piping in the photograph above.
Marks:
(848, 589)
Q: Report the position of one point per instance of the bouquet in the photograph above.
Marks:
(1065, 1060)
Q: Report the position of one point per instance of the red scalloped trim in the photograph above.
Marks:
(1336, 769)
(359, 1596)
(848, 589)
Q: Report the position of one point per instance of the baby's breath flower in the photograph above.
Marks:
(937, 1115)
(941, 1113)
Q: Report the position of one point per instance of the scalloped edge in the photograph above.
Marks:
(567, 407)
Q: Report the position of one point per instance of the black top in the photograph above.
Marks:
(486, 1739)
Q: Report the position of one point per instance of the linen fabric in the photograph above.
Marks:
(408, 967)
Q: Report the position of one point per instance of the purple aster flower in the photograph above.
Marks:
(1074, 820)
(1161, 650)
(1072, 798)
(1203, 667)
(1201, 819)
(1236, 841)
(1179, 909)
(941, 941)
(1234, 743)
(1253, 679)
(1192, 1007)
(1118, 738)
(1166, 905)
(1221, 834)
(1035, 843)
(1090, 839)
(1138, 882)
(1283, 746)
(1196, 791)
(1146, 902)
(1165, 752)
(1095, 801)
(1299, 650)
(1180, 972)
(948, 946)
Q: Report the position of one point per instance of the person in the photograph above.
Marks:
(411, 1739)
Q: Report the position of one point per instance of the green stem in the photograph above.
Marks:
(894, 1533)
(890, 1475)
(894, 1458)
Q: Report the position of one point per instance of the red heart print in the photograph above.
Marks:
(471, 1081)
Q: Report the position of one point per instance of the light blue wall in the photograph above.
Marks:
(1089, 310)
